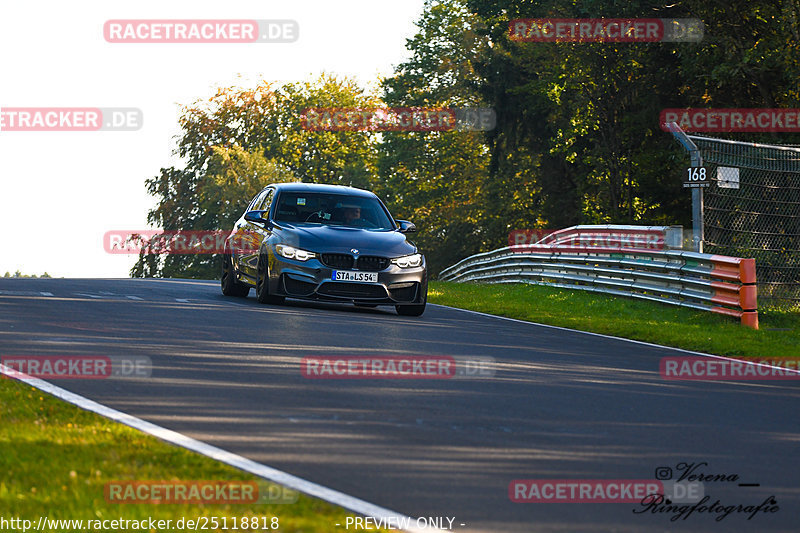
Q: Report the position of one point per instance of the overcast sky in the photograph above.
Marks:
(61, 191)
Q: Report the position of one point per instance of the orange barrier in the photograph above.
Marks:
(742, 295)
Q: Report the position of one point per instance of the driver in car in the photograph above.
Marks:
(352, 215)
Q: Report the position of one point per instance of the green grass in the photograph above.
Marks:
(55, 460)
(778, 336)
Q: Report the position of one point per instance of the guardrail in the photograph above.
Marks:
(715, 283)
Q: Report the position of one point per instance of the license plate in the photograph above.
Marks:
(349, 275)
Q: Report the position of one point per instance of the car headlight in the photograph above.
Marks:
(290, 252)
(408, 261)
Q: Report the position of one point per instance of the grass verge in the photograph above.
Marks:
(56, 459)
(778, 336)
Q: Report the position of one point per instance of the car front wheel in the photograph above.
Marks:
(262, 283)
(230, 285)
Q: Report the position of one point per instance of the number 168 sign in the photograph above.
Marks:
(696, 177)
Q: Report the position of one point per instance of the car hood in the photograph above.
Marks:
(341, 239)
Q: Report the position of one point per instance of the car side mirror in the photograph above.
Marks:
(257, 216)
(406, 226)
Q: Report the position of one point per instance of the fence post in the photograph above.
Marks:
(698, 233)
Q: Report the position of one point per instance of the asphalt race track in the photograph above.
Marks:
(561, 405)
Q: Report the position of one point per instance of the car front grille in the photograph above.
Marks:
(352, 290)
(337, 260)
(368, 263)
(372, 263)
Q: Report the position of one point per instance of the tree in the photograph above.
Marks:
(239, 141)
(439, 179)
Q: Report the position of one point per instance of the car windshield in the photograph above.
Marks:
(332, 209)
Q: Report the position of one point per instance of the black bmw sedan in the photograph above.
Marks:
(324, 242)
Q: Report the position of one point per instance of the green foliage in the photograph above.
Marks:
(235, 144)
(19, 274)
(577, 140)
(439, 179)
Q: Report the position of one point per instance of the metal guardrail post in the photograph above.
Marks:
(698, 232)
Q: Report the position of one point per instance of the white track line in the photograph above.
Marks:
(272, 474)
(702, 354)
(24, 293)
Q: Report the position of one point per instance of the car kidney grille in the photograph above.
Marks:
(372, 263)
(337, 260)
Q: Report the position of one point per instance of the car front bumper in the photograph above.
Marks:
(312, 280)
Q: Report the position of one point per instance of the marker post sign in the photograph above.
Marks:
(696, 177)
(692, 177)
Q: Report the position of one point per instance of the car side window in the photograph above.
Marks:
(255, 201)
(266, 201)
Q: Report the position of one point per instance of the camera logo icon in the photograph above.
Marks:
(663, 473)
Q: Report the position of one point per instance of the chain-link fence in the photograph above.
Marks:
(753, 210)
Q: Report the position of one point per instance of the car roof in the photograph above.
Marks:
(319, 187)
